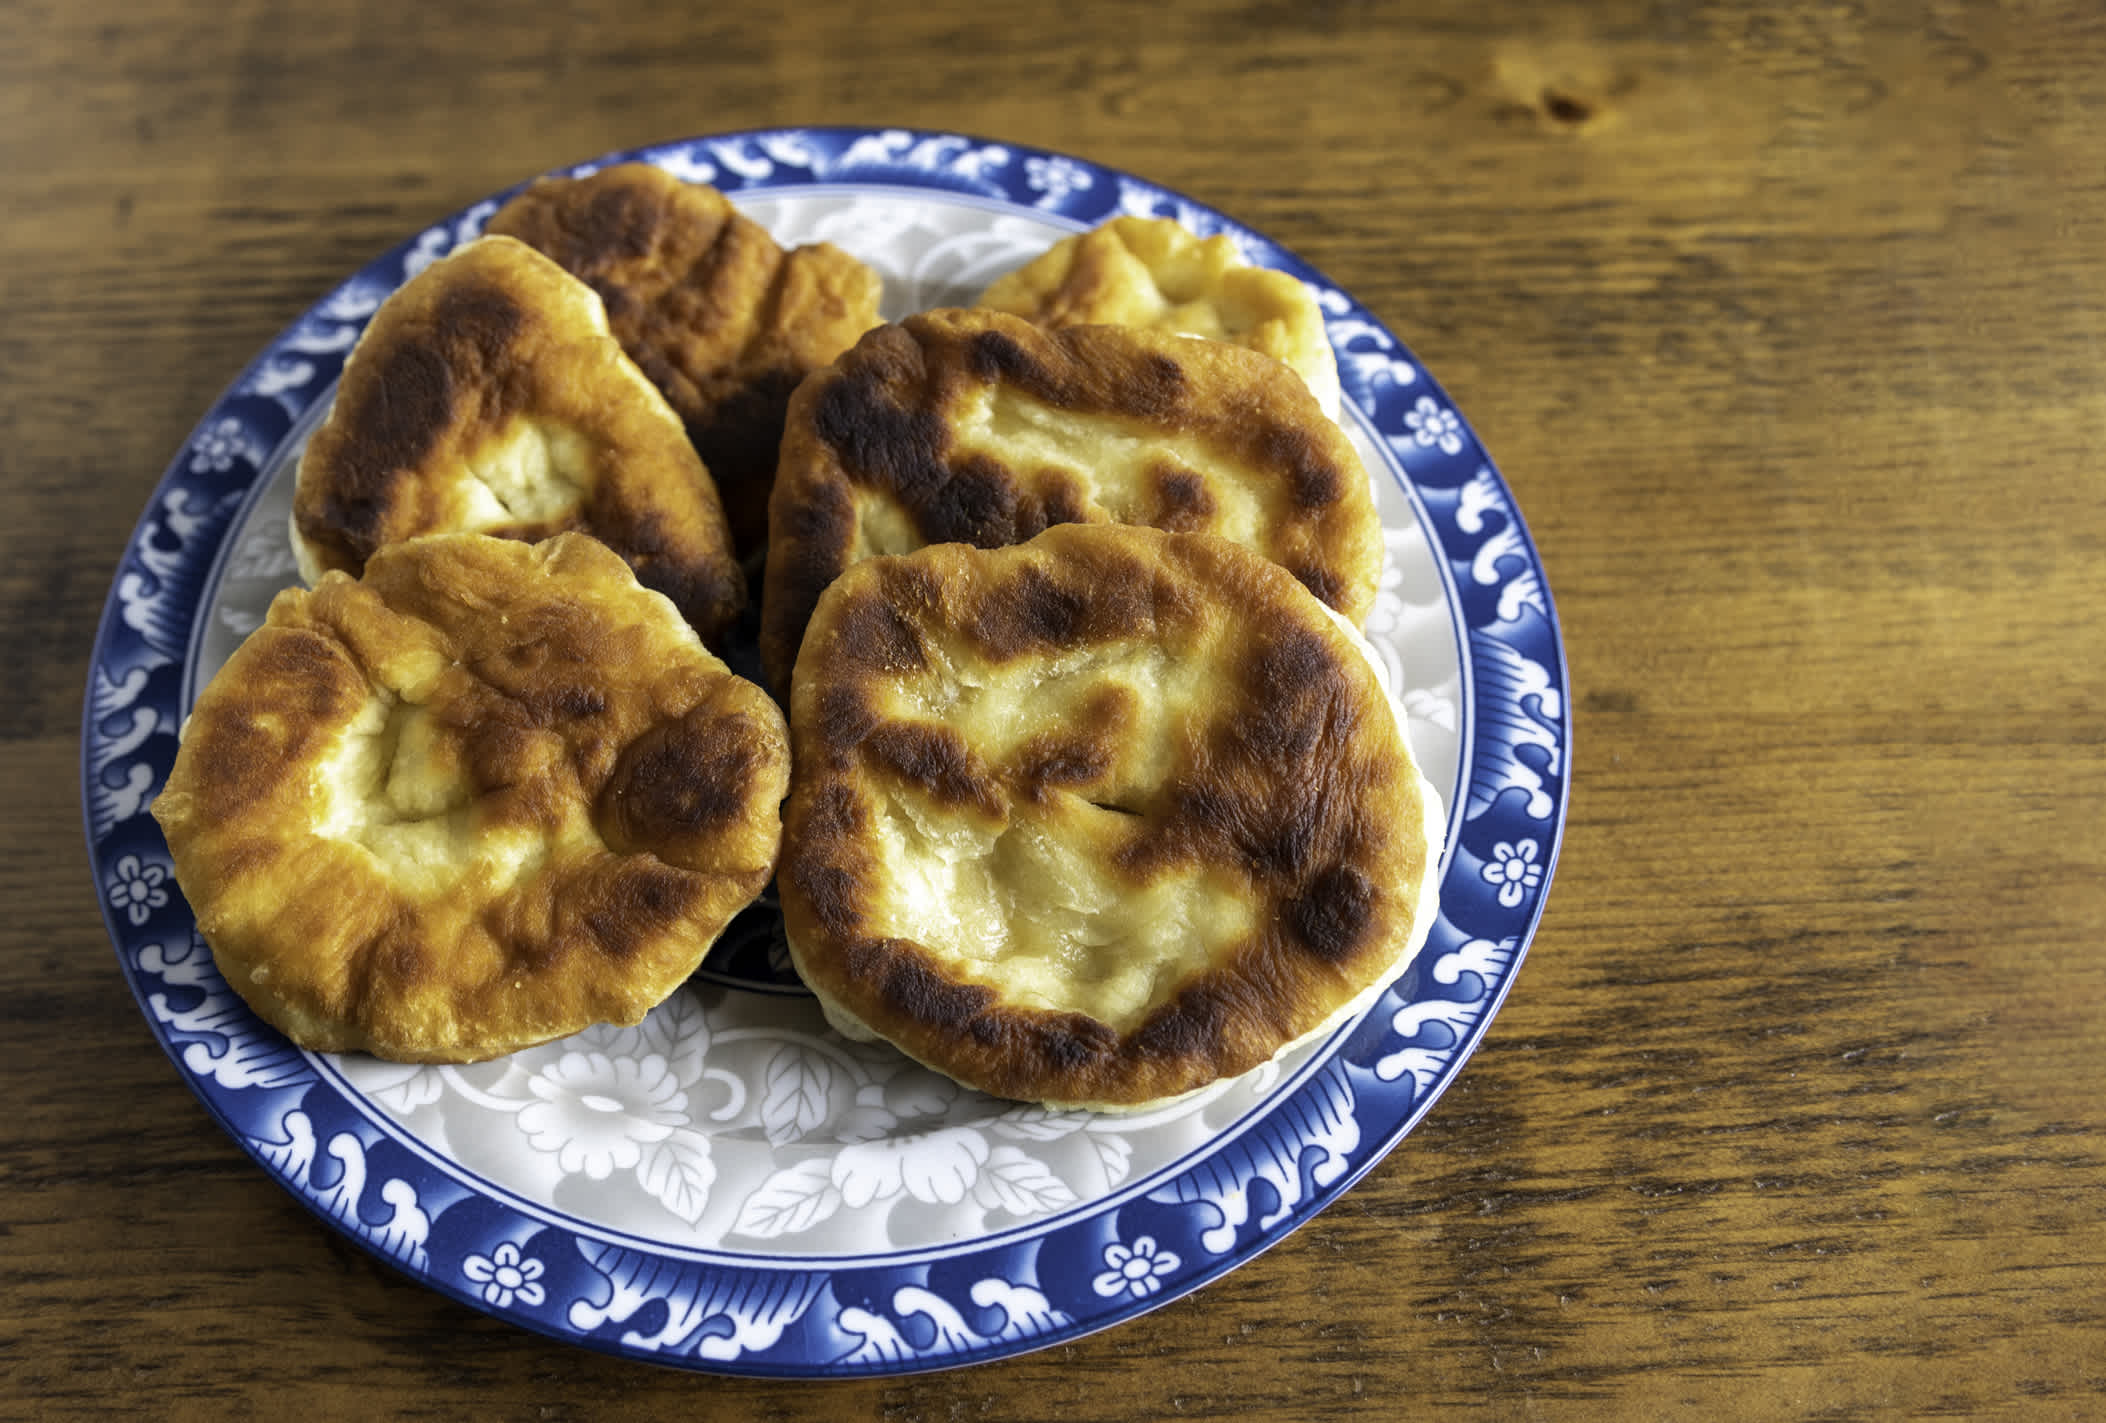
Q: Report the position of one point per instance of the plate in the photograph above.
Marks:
(729, 1186)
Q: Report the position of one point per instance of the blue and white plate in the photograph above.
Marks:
(730, 1186)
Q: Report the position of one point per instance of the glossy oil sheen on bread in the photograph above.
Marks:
(1099, 819)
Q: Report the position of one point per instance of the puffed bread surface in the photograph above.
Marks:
(1098, 819)
(482, 798)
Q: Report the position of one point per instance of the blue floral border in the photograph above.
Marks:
(1087, 1270)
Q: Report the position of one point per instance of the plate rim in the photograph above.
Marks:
(936, 149)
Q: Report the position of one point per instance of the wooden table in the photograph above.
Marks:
(1788, 329)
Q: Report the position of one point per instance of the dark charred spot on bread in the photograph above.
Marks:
(399, 415)
(1058, 1044)
(565, 702)
(976, 502)
(845, 716)
(1028, 613)
(1289, 836)
(822, 525)
(1300, 700)
(680, 784)
(935, 761)
(1183, 502)
(1320, 581)
(617, 222)
(912, 588)
(1294, 670)
(1079, 752)
(1312, 481)
(996, 358)
(480, 321)
(914, 988)
(833, 893)
(1188, 1026)
(877, 635)
(1331, 916)
(1158, 389)
(635, 908)
(1057, 761)
(899, 450)
(1061, 499)
(834, 814)
(706, 591)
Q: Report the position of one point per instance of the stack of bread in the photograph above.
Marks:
(1088, 793)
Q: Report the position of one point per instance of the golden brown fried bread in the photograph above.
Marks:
(484, 797)
(978, 427)
(487, 396)
(1098, 819)
(720, 318)
(1151, 271)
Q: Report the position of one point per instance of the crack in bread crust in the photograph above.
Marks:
(722, 320)
(484, 797)
(977, 427)
(487, 395)
(1135, 816)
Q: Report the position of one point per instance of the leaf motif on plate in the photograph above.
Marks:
(678, 1031)
(1021, 1185)
(796, 1198)
(679, 1172)
(1036, 1123)
(1113, 1154)
(794, 1101)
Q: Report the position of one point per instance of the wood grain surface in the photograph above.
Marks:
(1787, 325)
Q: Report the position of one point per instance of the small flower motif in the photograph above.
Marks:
(596, 1113)
(1514, 870)
(505, 1276)
(1134, 1271)
(1055, 177)
(1433, 424)
(136, 890)
(218, 448)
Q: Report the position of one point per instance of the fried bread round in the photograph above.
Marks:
(723, 321)
(485, 796)
(974, 426)
(488, 396)
(1098, 819)
(1152, 271)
